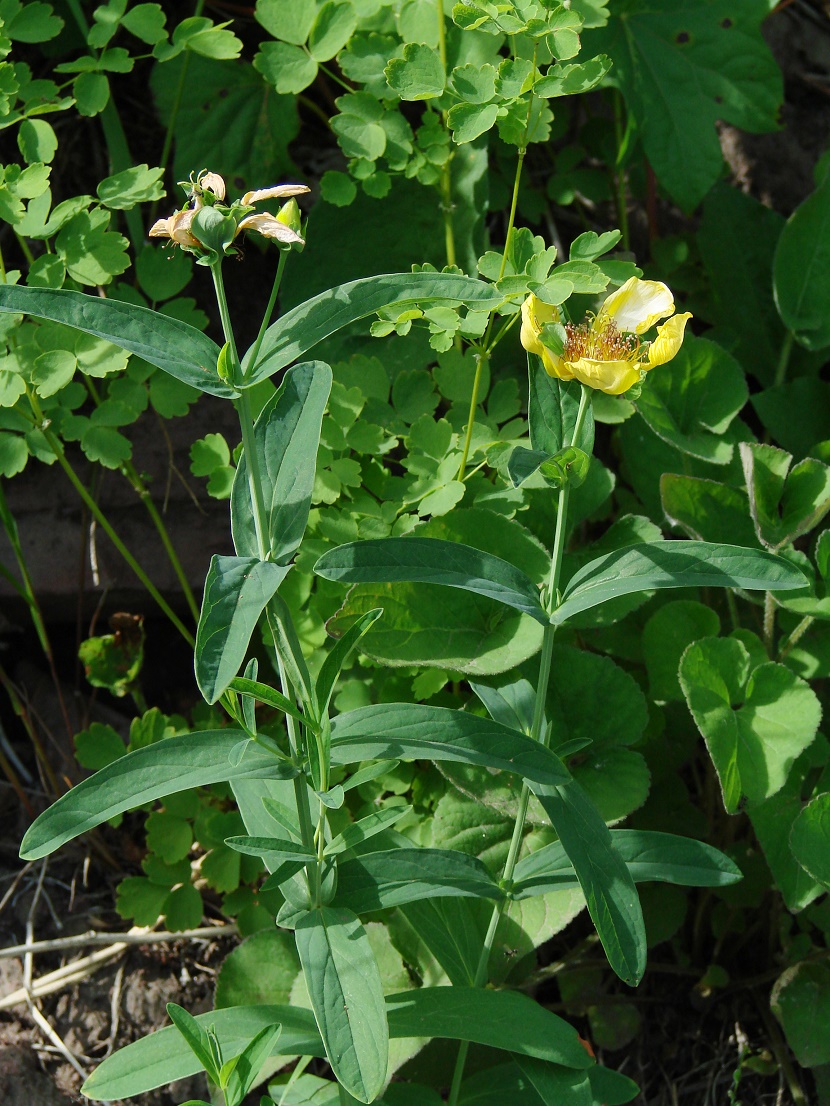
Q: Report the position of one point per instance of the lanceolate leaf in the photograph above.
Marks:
(173, 764)
(674, 564)
(501, 1019)
(432, 561)
(648, 855)
(237, 590)
(346, 993)
(609, 890)
(381, 880)
(287, 434)
(301, 329)
(273, 850)
(164, 1057)
(339, 654)
(267, 695)
(171, 345)
(410, 731)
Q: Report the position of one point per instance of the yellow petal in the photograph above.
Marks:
(638, 305)
(275, 191)
(270, 227)
(611, 377)
(535, 315)
(669, 339)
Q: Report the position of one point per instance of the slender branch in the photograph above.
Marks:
(784, 358)
(269, 310)
(481, 360)
(56, 446)
(537, 733)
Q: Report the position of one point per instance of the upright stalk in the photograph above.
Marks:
(246, 423)
(56, 446)
(486, 347)
(620, 183)
(446, 171)
(269, 310)
(537, 732)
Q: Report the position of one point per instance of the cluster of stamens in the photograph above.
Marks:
(600, 340)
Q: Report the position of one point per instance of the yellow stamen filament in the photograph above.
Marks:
(600, 341)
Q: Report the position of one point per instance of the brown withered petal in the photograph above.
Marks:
(270, 227)
(276, 191)
(214, 183)
(160, 229)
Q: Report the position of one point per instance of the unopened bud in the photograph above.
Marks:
(289, 214)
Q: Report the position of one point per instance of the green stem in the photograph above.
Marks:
(269, 310)
(769, 622)
(143, 492)
(243, 409)
(536, 733)
(57, 448)
(446, 171)
(24, 248)
(621, 191)
(116, 140)
(174, 111)
(514, 203)
(481, 361)
(796, 636)
(784, 358)
(486, 346)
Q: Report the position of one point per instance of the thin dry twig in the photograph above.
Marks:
(138, 935)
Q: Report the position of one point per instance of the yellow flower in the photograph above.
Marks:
(607, 352)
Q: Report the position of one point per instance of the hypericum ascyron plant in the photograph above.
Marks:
(291, 787)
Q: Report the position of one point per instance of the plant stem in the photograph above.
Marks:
(486, 346)
(769, 622)
(796, 636)
(536, 733)
(243, 409)
(174, 111)
(621, 191)
(481, 361)
(56, 446)
(115, 138)
(446, 171)
(143, 492)
(27, 591)
(269, 310)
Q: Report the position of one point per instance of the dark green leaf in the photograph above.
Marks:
(552, 409)
(175, 347)
(501, 1019)
(347, 997)
(286, 434)
(410, 731)
(338, 655)
(174, 764)
(432, 561)
(273, 850)
(298, 330)
(381, 880)
(163, 1057)
(800, 273)
(648, 855)
(267, 695)
(608, 887)
(674, 564)
(237, 590)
